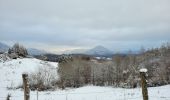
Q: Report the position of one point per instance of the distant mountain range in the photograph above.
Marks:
(96, 51)
(99, 51)
(31, 51)
(3, 47)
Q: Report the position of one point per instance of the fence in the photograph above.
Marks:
(125, 95)
(69, 96)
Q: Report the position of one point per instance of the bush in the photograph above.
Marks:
(74, 73)
(18, 50)
(44, 79)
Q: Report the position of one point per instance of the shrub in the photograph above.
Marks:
(43, 79)
(18, 50)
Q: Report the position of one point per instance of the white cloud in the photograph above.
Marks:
(77, 23)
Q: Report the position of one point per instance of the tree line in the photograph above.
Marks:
(121, 71)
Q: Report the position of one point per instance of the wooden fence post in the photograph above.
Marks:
(8, 97)
(37, 93)
(144, 84)
(26, 87)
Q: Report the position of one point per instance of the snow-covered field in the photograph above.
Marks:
(10, 76)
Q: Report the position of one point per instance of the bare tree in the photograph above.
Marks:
(19, 50)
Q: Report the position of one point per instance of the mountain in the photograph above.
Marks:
(33, 51)
(96, 51)
(99, 51)
(3, 47)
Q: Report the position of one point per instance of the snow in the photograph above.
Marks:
(143, 70)
(4, 57)
(11, 71)
(96, 93)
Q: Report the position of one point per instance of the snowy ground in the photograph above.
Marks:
(10, 76)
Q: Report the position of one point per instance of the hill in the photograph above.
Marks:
(3, 47)
(33, 51)
(99, 51)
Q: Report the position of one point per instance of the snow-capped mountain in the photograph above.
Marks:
(99, 51)
(3, 47)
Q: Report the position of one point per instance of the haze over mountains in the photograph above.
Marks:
(96, 51)
(100, 51)
(33, 51)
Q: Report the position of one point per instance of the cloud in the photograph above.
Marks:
(85, 23)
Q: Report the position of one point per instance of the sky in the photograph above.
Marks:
(59, 25)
